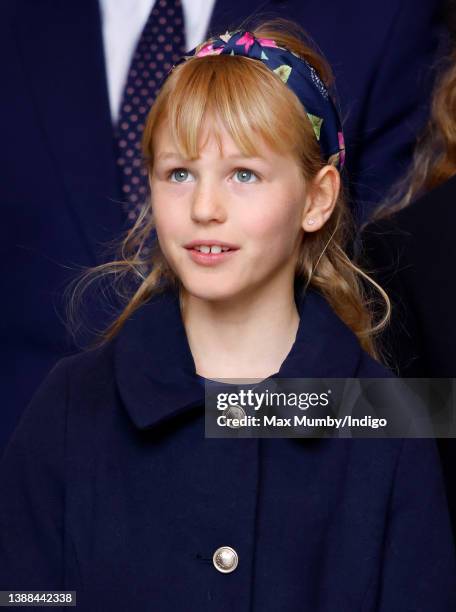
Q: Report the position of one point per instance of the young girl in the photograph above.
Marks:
(109, 487)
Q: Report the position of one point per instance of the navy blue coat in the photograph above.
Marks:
(109, 487)
(59, 187)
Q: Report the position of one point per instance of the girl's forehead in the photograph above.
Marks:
(209, 130)
(212, 137)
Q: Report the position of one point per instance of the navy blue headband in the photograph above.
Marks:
(297, 74)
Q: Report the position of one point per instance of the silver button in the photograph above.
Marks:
(234, 412)
(225, 559)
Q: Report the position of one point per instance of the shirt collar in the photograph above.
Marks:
(154, 366)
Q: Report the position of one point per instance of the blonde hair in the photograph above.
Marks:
(248, 99)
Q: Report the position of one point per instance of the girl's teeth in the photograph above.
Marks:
(211, 249)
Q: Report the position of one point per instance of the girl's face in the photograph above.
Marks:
(227, 225)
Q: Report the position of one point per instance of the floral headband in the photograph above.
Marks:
(297, 74)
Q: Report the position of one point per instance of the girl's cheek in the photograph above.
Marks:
(269, 221)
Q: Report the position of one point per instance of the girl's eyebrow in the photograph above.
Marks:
(170, 154)
(249, 157)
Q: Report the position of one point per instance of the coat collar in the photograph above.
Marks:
(155, 371)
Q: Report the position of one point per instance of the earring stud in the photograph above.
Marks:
(310, 221)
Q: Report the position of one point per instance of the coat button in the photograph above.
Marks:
(234, 412)
(225, 559)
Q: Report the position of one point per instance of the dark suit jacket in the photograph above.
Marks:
(59, 188)
(413, 256)
(112, 490)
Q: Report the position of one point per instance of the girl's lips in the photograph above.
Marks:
(210, 259)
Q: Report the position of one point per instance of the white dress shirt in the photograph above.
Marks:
(122, 24)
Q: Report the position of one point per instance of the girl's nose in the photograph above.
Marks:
(207, 204)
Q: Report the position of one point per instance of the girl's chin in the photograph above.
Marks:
(212, 290)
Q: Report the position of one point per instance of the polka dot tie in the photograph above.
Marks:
(161, 44)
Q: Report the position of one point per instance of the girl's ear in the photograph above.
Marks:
(321, 198)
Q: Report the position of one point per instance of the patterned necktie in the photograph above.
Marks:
(161, 44)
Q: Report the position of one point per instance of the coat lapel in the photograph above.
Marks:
(62, 51)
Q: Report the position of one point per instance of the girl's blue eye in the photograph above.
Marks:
(180, 173)
(245, 175)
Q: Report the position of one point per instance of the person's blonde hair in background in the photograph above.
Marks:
(434, 156)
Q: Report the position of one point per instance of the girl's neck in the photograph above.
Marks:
(246, 337)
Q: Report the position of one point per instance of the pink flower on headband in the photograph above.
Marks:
(209, 50)
(267, 42)
(246, 40)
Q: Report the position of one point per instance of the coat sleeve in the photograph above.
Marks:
(32, 492)
(419, 567)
